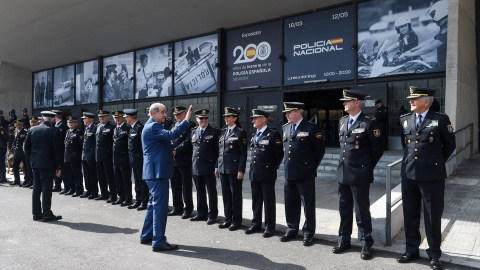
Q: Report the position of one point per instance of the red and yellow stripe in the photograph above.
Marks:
(336, 40)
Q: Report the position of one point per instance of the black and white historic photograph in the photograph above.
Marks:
(64, 86)
(42, 89)
(118, 77)
(86, 81)
(401, 37)
(153, 68)
(196, 65)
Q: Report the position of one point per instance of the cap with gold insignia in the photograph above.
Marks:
(130, 112)
(103, 113)
(178, 110)
(291, 106)
(201, 113)
(416, 92)
(71, 119)
(18, 122)
(118, 114)
(58, 112)
(34, 119)
(353, 95)
(47, 114)
(24, 110)
(259, 113)
(88, 115)
(231, 111)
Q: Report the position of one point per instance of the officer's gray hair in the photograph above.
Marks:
(155, 107)
(48, 119)
(361, 104)
(431, 100)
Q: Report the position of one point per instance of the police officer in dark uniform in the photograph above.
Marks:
(361, 147)
(381, 115)
(3, 151)
(28, 168)
(135, 152)
(104, 157)
(303, 151)
(267, 154)
(3, 122)
(231, 163)
(45, 149)
(89, 164)
(72, 169)
(25, 119)
(429, 142)
(11, 135)
(62, 127)
(18, 154)
(121, 161)
(13, 116)
(205, 153)
(181, 181)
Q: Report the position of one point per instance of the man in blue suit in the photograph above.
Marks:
(157, 169)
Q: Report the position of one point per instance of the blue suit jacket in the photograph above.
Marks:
(158, 150)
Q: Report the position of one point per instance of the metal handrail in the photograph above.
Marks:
(388, 184)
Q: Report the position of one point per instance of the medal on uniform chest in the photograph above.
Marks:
(357, 146)
(405, 124)
(231, 146)
(341, 127)
(431, 139)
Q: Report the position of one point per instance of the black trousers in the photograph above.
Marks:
(232, 198)
(17, 159)
(431, 194)
(298, 192)
(3, 170)
(90, 176)
(123, 180)
(58, 180)
(181, 183)
(141, 188)
(105, 179)
(28, 170)
(358, 196)
(263, 194)
(208, 181)
(72, 172)
(42, 186)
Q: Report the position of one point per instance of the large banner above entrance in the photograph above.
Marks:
(411, 39)
(252, 56)
(317, 46)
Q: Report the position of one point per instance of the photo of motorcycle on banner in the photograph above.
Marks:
(118, 77)
(86, 79)
(318, 46)
(42, 89)
(153, 68)
(196, 68)
(253, 56)
(401, 37)
(64, 86)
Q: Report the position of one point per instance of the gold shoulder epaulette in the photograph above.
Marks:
(406, 114)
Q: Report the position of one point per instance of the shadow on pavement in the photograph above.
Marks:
(96, 228)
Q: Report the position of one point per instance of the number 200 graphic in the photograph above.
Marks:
(252, 52)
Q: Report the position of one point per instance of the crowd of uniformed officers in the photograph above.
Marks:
(105, 155)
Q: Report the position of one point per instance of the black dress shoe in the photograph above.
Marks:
(436, 264)
(37, 217)
(92, 197)
(307, 241)
(366, 253)
(63, 191)
(143, 206)
(211, 221)
(85, 195)
(135, 205)
(186, 215)
(268, 234)
(126, 203)
(408, 257)
(165, 247)
(57, 189)
(76, 195)
(175, 213)
(341, 247)
(119, 201)
(146, 242)
(31, 187)
(15, 184)
(233, 227)
(287, 237)
(71, 192)
(101, 198)
(224, 225)
(52, 218)
(27, 185)
(252, 229)
(112, 199)
(198, 218)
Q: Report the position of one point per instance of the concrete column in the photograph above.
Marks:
(461, 103)
(15, 89)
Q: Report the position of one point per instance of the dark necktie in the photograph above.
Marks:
(293, 129)
(258, 135)
(350, 123)
(419, 121)
(201, 133)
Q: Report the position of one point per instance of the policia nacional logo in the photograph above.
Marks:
(376, 132)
